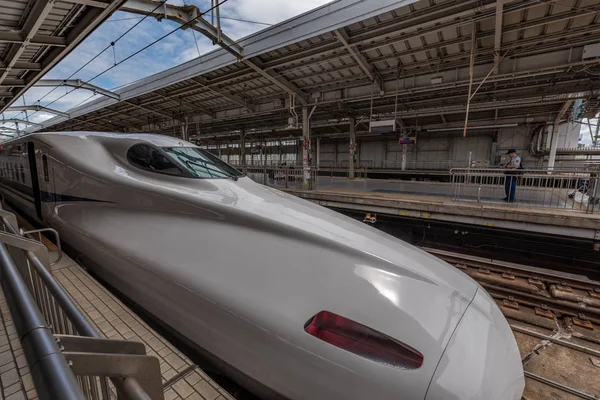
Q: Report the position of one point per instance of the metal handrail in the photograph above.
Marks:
(48, 366)
(129, 387)
(56, 236)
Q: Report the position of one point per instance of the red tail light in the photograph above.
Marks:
(363, 341)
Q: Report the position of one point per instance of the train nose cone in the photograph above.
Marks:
(481, 360)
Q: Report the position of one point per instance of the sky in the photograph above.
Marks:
(176, 49)
(585, 136)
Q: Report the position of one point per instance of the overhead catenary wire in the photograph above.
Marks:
(541, 2)
(192, 20)
(209, 15)
(112, 44)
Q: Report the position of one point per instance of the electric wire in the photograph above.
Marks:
(470, 20)
(112, 44)
(208, 15)
(138, 51)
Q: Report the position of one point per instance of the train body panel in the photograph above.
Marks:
(240, 269)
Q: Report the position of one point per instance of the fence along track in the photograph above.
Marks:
(71, 360)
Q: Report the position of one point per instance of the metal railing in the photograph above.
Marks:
(559, 189)
(283, 177)
(67, 356)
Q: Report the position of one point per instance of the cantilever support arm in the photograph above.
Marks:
(78, 84)
(36, 107)
(183, 15)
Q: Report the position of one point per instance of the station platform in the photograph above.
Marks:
(181, 377)
(433, 201)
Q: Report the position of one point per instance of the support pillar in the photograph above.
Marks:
(318, 151)
(404, 151)
(305, 148)
(352, 149)
(554, 145)
(184, 129)
(243, 148)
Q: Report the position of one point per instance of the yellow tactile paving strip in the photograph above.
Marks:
(181, 377)
(16, 382)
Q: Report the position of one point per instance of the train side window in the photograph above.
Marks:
(45, 168)
(22, 173)
(149, 158)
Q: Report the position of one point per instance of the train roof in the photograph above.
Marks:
(158, 140)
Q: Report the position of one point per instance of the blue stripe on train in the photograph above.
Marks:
(48, 197)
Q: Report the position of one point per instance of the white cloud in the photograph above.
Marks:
(173, 50)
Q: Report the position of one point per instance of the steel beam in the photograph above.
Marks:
(10, 82)
(278, 81)
(6, 94)
(498, 33)
(36, 17)
(78, 84)
(20, 121)
(90, 3)
(184, 15)
(90, 20)
(359, 58)
(37, 107)
(36, 40)
(203, 83)
(22, 66)
(141, 107)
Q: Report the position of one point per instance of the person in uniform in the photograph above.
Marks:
(510, 185)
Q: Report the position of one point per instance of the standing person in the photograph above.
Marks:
(510, 185)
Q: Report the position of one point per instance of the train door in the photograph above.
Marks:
(46, 181)
(35, 182)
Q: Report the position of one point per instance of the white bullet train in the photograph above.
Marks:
(301, 302)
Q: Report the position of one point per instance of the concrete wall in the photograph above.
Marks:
(436, 150)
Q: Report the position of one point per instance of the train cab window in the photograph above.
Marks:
(150, 158)
(45, 168)
(201, 163)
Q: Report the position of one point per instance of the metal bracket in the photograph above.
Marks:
(40, 251)
(113, 359)
(56, 236)
(10, 218)
(82, 344)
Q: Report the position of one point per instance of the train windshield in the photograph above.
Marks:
(201, 163)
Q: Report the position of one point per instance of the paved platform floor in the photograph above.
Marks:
(181, 378)
(16, 382)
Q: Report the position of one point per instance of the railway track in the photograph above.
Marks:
(555, 317)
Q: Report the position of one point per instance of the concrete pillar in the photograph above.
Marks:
(305, 147)
(554, 145)
(243, 148)
(404, 151)
(352, 149)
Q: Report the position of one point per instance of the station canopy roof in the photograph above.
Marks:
(379, 59)
(36, 34)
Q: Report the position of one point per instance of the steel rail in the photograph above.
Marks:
(560, 342)
(560, 386)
